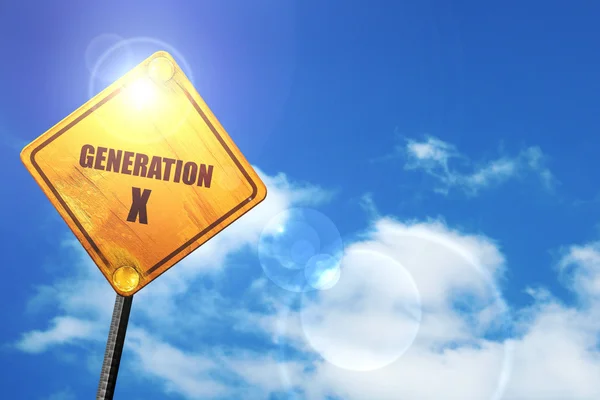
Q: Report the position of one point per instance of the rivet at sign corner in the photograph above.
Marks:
(161, 68)
(126, 278)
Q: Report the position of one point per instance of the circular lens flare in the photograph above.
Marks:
(369, 318)
(294, 247)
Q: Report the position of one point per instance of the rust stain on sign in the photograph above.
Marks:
(143, 174)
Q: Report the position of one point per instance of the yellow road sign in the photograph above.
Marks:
(143, 174)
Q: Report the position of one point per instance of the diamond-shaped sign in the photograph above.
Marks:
(143, 174)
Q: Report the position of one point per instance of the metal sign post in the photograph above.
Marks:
(114, 348)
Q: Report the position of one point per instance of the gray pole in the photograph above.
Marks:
(114, 348)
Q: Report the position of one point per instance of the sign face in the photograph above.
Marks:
(143, 174)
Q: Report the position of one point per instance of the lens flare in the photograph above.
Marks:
(351, 325)
(120, 58)
(113, 66)
(141, 93)
(298, 248)
(322, 271)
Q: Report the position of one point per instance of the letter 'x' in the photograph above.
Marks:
(138, 206)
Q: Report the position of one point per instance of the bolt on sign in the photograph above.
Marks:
(143, 174)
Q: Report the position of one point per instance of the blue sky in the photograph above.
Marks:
(451, 147)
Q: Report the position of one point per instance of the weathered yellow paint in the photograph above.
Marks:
(153, 110)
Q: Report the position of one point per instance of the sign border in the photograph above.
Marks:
(181, 248)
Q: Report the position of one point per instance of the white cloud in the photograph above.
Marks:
(581, 268)
(63, 330)
(264, 373)
(368, 321)
(435, 157)
(368, 205)
(557, 354)
(553, 355)
(182, 373)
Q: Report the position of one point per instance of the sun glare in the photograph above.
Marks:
(141, 92)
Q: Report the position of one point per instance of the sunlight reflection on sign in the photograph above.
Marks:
(141, 93)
